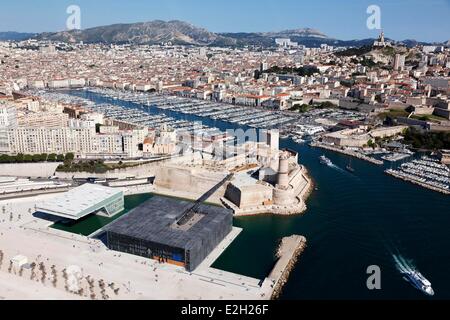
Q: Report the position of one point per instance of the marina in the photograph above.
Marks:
(426, 172)
(291, 125)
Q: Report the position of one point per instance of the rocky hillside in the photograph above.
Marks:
(154, 32)
(179, 32)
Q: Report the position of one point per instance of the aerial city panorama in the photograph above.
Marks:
(224, 151)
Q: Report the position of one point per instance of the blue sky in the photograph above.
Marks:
(425, 20)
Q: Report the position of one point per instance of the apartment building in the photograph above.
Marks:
(43, 119)
(51, 140)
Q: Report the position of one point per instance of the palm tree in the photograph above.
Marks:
(55, 275)
(44, 273)
(33, 274)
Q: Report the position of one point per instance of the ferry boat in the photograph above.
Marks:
(419, 282)
(326, 161)
(414, 277)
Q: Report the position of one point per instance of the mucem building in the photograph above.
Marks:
(171, 231)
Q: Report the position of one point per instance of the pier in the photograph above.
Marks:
(403, 177)
(288, 253)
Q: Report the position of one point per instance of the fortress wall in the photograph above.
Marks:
(188, 179)
(145, 170)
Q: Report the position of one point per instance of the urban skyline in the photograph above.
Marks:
(401, 19)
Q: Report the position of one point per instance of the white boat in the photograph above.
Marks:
(299, 140)
(419, 282)
(326, 161)
(414, 277)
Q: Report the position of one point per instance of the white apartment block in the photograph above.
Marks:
(43, 119)
(111, 144)
(133, 141)
(51, 140)
(82, 141)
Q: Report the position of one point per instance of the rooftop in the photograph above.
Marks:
(244, 180)
(80, 201)
(158, 221)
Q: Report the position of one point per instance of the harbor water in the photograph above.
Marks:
(354, 220)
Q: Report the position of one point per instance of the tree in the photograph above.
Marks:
(301, 108)
(52, 157)
(20, 158)
(4, 158)
(70, 156)
(27, 158)
(326, 105)
(427, 140)
(60, 158)
(36, 157)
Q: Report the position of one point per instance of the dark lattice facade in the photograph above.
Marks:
(161, 230)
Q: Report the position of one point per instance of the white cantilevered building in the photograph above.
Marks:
(83, 201)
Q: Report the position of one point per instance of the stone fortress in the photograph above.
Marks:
(275, 184)
(265, 178)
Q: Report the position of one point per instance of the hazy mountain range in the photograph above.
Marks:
(15, 36)
(179, 32)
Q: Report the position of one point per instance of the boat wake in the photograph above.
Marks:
(335, 167)
(345, 172)
(403, 265)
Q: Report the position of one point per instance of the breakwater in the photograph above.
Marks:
(288, 253)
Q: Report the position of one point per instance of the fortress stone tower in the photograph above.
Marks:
(283, 172)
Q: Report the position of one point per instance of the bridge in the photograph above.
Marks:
(189, 213)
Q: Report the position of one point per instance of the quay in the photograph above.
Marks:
(347, 152)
